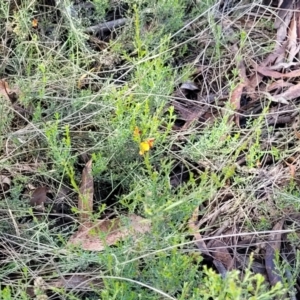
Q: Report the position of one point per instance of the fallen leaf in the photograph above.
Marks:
(76, 282)
(284, 65)
(193, 225)
(272, 247)
(279, 84)
(277, 98)
(220, 253)
(282, 30)
(235, 96)
(85, 199)
(235, 99)
(278, 55)
(284, 7)
(39, 197)
(81, 282)
(293, 47)
(290, 94)
(276, 75)
(95, 237)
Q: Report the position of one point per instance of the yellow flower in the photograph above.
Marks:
(136, 132)
(146, 145)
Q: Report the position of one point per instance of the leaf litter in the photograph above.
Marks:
(272, 78)
(96, 235)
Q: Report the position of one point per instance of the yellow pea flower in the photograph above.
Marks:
(146, 145)
(136, 132)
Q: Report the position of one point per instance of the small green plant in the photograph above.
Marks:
(251, 287)
(109, 97)
(60, 151)
(101, 7)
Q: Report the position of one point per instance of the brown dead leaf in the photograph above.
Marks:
(272, 247)
(85, 199)
(95, 237)
(290, 94)
(235, 100)
(38, 197)
(193, 225)
(277, 75)
(287, 24)
(221, 254)
(81, 282)
(282, 26)
(76, 282)
(284, 7)
(235, 97)
(279, 84)
(293, 46)
(278, 55)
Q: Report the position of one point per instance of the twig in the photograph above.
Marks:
(107, 26)
(15, 223)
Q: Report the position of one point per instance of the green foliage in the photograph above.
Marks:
(101, 7)
(60, 151)
(84, 103)
(251, 287)
(5, 293)
(214, 142)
